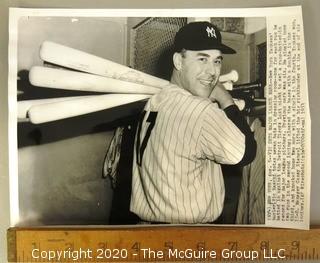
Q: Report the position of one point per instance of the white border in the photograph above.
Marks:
(12, 125)
(201, 12)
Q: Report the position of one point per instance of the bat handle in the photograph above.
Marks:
(232, 76)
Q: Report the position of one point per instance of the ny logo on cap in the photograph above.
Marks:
(211, 32)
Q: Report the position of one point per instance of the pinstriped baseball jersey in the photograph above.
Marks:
(180, 143)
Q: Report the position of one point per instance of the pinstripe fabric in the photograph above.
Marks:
(180, 178)
(251, 207)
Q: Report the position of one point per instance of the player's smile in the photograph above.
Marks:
(207, 82)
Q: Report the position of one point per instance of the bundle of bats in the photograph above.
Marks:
(118, 84)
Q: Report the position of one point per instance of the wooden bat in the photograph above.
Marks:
(228, 79)
(65, 109)
(80, 60)
(232, 76)
(72, 80)
(241, 104)
(25, 105)
(46, 110)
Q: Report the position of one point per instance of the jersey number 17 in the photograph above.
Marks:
(140, 147)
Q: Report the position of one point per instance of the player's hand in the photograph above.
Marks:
(221, 95)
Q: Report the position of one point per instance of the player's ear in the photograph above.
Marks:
(177, 60)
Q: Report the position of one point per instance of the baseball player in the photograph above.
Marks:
(185, 133)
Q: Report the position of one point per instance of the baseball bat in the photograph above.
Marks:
(82, 61)
(73, 80)
(25, 105)
(228, 79)
(228, 85)
(247, 87)
(232, 76)
(71, 108)
(241, 104)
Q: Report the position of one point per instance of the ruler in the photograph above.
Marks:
(164, 243)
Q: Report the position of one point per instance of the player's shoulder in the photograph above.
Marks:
(176, 96)
(205, 103)
(174, 90)
(194, 102)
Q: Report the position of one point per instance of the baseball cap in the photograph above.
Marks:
(200, 36)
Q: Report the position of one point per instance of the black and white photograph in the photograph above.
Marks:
(93, 148)
(134, 120)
